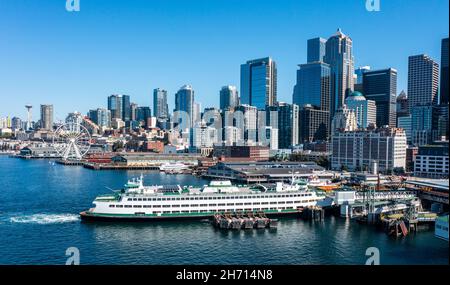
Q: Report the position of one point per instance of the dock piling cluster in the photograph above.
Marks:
(249, 220)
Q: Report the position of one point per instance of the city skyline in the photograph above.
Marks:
(139, 82)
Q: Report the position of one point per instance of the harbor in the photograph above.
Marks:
(177, 241)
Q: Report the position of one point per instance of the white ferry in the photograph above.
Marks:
(173, 167)
(139, 202)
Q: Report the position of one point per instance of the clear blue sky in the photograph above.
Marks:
(75, 60)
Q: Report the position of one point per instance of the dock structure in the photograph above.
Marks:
(313, 213)
(239, 220)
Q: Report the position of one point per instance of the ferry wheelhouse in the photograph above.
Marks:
(137, 201)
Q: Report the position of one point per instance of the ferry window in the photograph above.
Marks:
(196, 198)
(230, 204)
(111, 206)
(203, 205)
(159, 199)
(166, 206)
(256, 203)
(209, 198)
(147, 206)
(281, 202)
(166, 212)
(184, 211)
(290, 208)
(129, 199)
(134, 199)
(119, 206)
(175, 212)
(182, 199)
(175, 206)
(296, 201)
(128, 206)
(184, 205)
(247, 203)
(272, 203)
(139, 199)
(264, 203)
(289, 202)
(137, 206)
(238, 204)
(194, 205)
(221, 205)
(178, 199)
(144, 199)
(212, 205)
(156, 206)
(156, 212)
(203, 211)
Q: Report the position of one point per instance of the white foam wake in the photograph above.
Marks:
(43, 219)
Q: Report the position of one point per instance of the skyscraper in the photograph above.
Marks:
(47, 117)
(313, 124)
(126, 112)
(316, 49)
(381, 87)
(229, 97)
(115, 105)
(359, 74)
(402, 105)
(259, 83)
(339, 55)
(444, 72)
(160, 106)
(313, 85)
(285, 118)
(423, 79)
(133, 107)
(184, 102)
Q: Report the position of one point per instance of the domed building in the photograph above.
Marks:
(365, 110)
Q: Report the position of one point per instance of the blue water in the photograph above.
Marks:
(40, 202)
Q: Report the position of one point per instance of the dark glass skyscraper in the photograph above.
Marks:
(120, 107)
(316, 49)
(381, 87)
(259, 83)
(229, 97)
(313, 85)
(444, 72)
(285, 118)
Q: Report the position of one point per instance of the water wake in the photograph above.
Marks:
(44, 219)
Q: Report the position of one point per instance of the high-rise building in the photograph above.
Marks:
(115, 105)
(404, 122)
(285, 118)
(339, 55)
(344, 120)
(47, 117)
(402, 105)
(143, 114)
(197, 113)
(365, 110)
(259, 83)
(423, 79)
(203, 136)
(160, 105)
(126, 112)
(359, 72)
(184, 102)
(16, 123)
(421, 124)
(316, 49)
(313, 124)
(444, 72)
(357, 150)
(133, 108)
(313, 85)
(381, 87)
(229, 97)
(103, 118)
(247, 122)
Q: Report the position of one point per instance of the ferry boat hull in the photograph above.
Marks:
(93, 217)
